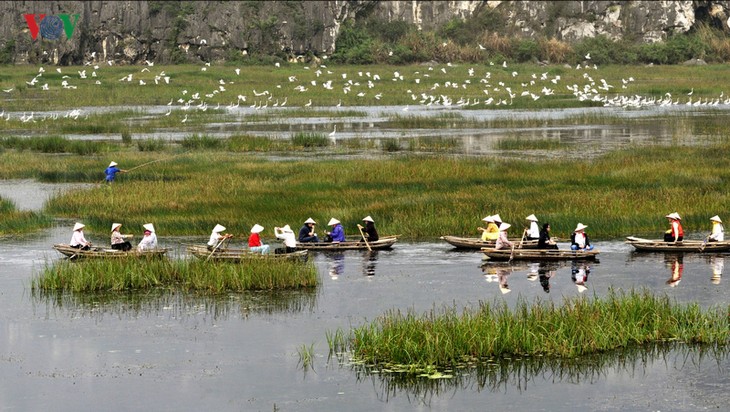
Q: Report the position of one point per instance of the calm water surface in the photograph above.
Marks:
(169, 351)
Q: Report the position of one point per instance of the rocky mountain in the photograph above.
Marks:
(73, 32)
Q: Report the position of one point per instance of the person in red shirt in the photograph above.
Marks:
(254, 241)
(675, 232)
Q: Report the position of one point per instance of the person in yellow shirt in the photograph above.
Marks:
(492, 230)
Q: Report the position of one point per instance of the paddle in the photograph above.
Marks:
(226, 237)
(364, 238)
(522, 238)
(702, 248)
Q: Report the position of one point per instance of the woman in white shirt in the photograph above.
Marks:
(149, 241)
(287, 235)
(718, 232)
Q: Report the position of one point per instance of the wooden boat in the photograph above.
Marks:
(689, 246)
(477, 243)
(538, 254)
(107, 253)
(240, 255)
(385, 242)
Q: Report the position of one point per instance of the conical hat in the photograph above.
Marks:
(581, 288)
(218, 228)
(150, 227)
(257, 228)
(333, 221)
(78, 226)
(287, 229)
(716, 218)
(488, 219)
(674, 215)
(532, 218)
(580, 226)
(496, 218)
(368, 219)
(112, 164)
(310, 220)
(116, 225)
(504, 226)
(504, 290)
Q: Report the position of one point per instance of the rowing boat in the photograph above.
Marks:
(538, 254)
(477, 243)
(689, 246)
(385, 242)
(240, 255)
(107, 253)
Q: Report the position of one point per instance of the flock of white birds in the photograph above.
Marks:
(373, 85)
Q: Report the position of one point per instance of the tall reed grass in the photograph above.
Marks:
(140, 274)
(580, 326)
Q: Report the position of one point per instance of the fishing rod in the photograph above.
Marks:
(155, 161)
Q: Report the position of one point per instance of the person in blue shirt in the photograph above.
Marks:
(112, 171)
(338, 233)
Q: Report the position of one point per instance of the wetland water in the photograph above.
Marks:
(168, 351)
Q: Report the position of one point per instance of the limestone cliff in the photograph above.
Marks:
(172, 31)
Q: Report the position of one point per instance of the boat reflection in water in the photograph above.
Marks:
(336, 264)
(369, 259)
(579, 272)
(676, 267)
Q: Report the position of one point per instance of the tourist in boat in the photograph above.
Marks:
(502, 241)
(337, 234)
(149, 240)
(718, 232)
(78, 240)
(675, 232)
(371, 234)
(545, 242)
(111, 172)
(254, 241)
(287, 235)
(118, 240)
(533, 233)
(217, 237)
(307, 233)
(491, 232)
(579, 239)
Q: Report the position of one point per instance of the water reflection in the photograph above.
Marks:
(500, 375)
(174, 304)
(717, 263)
(675, 262)
(545, 271)
(369, 259)
(579, 272)
(336, 264)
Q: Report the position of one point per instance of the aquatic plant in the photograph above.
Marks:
(139, 274)
(580, 326)
(306, 357)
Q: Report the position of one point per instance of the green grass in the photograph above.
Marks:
(13, 221)
(143, 274)
(581, 326)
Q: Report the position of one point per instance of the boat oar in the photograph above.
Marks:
(702, 248)
(216, 247)
(522, 238)
(364, 238)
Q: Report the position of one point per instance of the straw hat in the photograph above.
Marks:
(674, 215)
(488, 219)
(218, 228)
(78, 226)
(496, 218)
(504, 226)
(532, 218)
(580, 227)
(116, 226)
(257, 228)
(310, 220)
(368, 219)
(112, 164)
(287, 229)
(333, 221)
(151, 228)
(716, 218)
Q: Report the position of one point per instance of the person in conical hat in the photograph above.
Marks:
(338, 233)
(718, 232)
(502, 241)
(370, 232)
(111, 172)
(675, 233)
(217, 237)
(533, 233)
(579, 239)
(307, 233)
(118, 240)
(287, 235)
(78, 240)
(149, 240)
(492, 230)
(254, 240)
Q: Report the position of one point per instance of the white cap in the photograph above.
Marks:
(532, 218)
(310, 220)
(496, 218)
(580, 226)
(78, 226)
(149, 227)
(257, 228)
(716, 218)
(218, 228)
(504, 226)
(287, 229)
(112, 164)
(333, 221)
(368, 219)
(116, 225)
